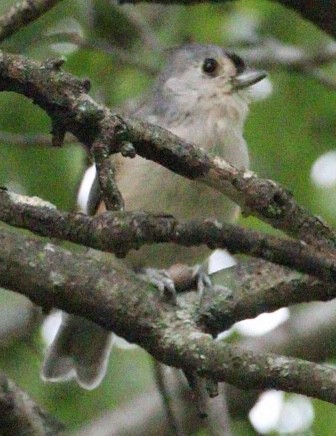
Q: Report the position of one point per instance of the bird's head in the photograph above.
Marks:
(204, 76)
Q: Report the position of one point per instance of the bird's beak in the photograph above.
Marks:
(247, 78)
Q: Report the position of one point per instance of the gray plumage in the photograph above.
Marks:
(201, 95)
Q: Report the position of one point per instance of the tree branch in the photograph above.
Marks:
(65, 99)
(23, 13)
(107, 177)
(256, 287)
(142, 26)
(53, 277)
(99, 44)
(173, 336)
(270, 53)
(262, 198)
(261, 285)
(120, 232)
(145, 415)
(291, 338)
(23, 139)
(320, 12)
(20, 415)
(309, 333)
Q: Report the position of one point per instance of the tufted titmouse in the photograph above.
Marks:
(201, 95)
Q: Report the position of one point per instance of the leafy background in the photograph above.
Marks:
(286, 133)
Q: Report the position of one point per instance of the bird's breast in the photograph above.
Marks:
(148, 186)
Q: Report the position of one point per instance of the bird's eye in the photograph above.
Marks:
(210, 66)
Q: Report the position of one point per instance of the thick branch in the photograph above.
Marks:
(255, 287)
(52, 276)
(23, 13)
(261, 285)
(309, 333)
(64, 98)
(120, 232)
(19, 414)
(260, 197)
(292, 338)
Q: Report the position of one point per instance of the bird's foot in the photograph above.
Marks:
(202, 280)
(162, 280)
(179, 278)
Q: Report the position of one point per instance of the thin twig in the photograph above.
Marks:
(29, 140)
(144, 415)
(166, 396)
(138, 21)
(98, 44)
(271, 53)
(322, 78)
(107, 177)
(23, 13)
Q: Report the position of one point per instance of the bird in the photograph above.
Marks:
(202, 95)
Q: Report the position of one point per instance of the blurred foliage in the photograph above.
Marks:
(286, 134)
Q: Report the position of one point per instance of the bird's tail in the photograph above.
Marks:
(80, 350)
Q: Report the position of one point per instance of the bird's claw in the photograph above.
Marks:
(202, 279)
(163, 282)
(180, 277)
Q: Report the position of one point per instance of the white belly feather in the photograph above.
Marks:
(148, 186)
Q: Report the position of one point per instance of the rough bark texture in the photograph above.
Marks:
(20, 415)
(96, 290)
(65, 99)
(120, 232)
(181, 335)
